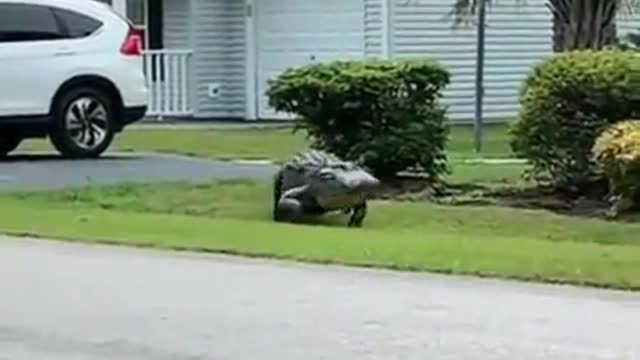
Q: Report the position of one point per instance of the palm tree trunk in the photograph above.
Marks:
(577, 24)
(583, 24)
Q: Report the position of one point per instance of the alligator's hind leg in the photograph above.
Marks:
(359, 213)
(289, 208)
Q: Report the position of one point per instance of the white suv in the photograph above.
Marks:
(71, 70)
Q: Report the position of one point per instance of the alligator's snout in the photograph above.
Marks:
(363, 181)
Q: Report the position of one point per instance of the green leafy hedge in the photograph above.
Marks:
(385, 114)
(567, 101)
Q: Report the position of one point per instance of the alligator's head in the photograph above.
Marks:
(337, 184)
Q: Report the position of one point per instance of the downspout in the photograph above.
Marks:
(478, 118)
(387, 34)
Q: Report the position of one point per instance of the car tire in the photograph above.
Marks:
(83, 123)
(8, 144)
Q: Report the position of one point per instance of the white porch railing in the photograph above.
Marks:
(167, 72)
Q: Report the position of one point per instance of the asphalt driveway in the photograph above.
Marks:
(44, 172)
(65, 301)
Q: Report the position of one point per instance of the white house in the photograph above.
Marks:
(212, 58)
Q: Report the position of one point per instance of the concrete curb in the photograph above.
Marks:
(496, 161)
(257, 162)
(209, 125)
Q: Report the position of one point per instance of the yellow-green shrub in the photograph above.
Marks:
(616, 152)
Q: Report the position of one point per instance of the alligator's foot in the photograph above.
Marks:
(288, 210)
(359, 213)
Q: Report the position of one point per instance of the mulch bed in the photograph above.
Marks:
(417, 188)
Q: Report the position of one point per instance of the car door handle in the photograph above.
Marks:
(65, 52)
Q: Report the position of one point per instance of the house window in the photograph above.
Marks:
(136, 12)
(146, 16)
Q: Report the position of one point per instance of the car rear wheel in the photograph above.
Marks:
(8, 144)
(83, 123)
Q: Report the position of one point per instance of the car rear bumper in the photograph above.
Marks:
(133, 114)
(135, 96)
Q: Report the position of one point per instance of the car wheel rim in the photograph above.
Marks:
(6, 142)
(87, 122)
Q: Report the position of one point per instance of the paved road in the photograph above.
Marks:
(67, 302)
(45, 172)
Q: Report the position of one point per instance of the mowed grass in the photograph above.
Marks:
(280, 144)
(267, 143)
(234, 217)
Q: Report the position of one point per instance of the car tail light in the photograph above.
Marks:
(132, 45)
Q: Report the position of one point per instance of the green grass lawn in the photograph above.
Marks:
(272, 143)
(234, 217)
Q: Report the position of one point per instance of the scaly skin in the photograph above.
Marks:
(315, 183)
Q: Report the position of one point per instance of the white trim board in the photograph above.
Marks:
(120, 6)
(387, 45)
(251, 64)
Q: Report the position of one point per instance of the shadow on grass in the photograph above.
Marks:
(333, 219)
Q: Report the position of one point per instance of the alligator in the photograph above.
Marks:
(315, 182)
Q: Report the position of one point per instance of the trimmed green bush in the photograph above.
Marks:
(566, 102)
(385, 114)
(617, 154)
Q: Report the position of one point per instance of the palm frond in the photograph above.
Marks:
(464, 11)
(629, 7)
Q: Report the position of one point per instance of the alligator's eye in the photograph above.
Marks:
(327, 176)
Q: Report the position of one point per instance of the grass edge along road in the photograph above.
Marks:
(466, 250)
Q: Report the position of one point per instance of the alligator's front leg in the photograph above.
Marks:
(289, 208)
(359, 213)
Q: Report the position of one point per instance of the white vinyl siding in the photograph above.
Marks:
(175, 24)
(219, 57)
(373, 27)
(516, 37)
(292, 33)
(628, 23)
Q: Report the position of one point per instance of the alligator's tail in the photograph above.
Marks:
(277, 192)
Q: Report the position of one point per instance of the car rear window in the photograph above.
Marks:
(76, 25)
